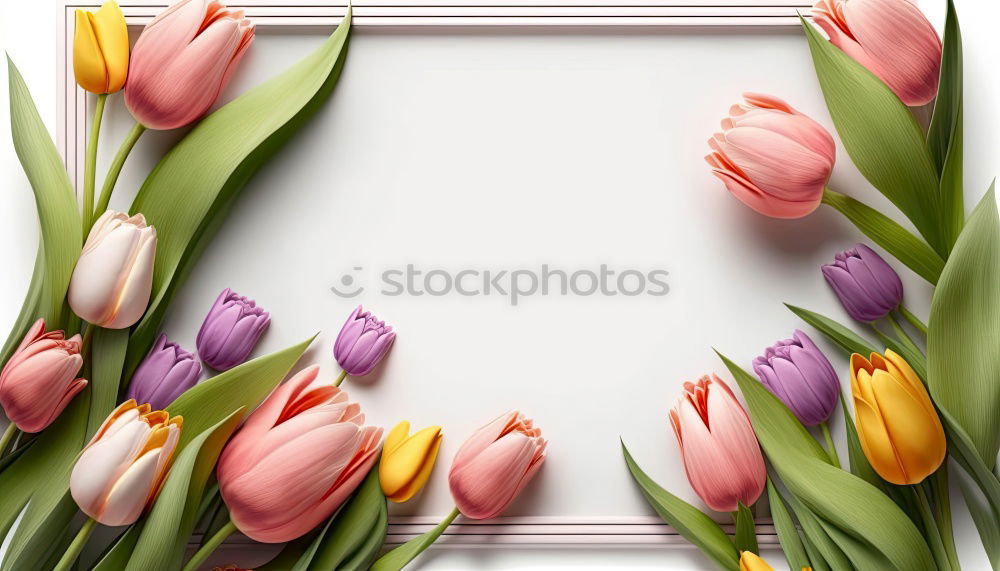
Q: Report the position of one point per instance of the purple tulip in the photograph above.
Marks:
(867, 286)
(362, 343)
(165, 373)
(230, 331)
(799, 374)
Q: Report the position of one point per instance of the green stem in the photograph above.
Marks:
(73, 551)
(931, 529)
(913, 319)
(116, 168)
(400, 556)
(90, 165)
(945, 527)
(830, 448)
(340, 379)
(903, 336)
(8, 436)
(216, 540)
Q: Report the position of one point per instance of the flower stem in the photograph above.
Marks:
(903, 336)
(8, 436)
(831, 450)
(215, 541)
(90, 164)
(340, 379)
(913, 319)
(116, 168)
(945, 526)
(931, 529)
(74, 549)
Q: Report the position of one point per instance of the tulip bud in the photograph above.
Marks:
(799, 374)
(362, 343)
(120, 472)
(407, 461)
(892, 38)
(165, 373)
(721, 455)
(113, 279)
(231, 330)
(39, 379)
(773, 158)
(494, 465)
(898, 427)
(296, 459)
(867, 286)
(750, 561)
(100, 49)
(182, 61)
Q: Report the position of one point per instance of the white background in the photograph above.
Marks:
(506, 151)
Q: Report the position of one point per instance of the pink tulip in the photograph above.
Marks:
(296, 459)
(39, 380)
(773, 158)
(183, 60)
(721, 455)
(492, 467)
(892, 38)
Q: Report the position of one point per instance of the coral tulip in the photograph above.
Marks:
(231, 330)
(363, 342)
(113, 278)
(866, 285)
(721, 455)
(750, 561)
(165, 373)
(773, 158)
(120, 472)
(296, 459)
(182, 61)
(39, 379)
(495, 464)
(799, 374)
(407, 461)
(100, 49)
(892, 38)
(899, 430)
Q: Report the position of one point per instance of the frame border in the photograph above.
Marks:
(306, 15)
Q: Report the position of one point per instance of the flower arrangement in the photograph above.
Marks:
(922, 393)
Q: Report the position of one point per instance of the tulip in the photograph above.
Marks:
(165, 373)
(407, 461)
(182, 61)
(296, 459)
(120, 472)
(721, 455)
(750, 561)
(231, 330)
(892, 38)
(899, 430)
(799, 374)
(363, 342)
(773, 158)
(113, 279)
(867, 286)
(495, 464)
(39, 379)
(100, 49)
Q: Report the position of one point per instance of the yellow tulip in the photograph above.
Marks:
(100, 49)
(751, 562)
(407, 461)
(899, 430)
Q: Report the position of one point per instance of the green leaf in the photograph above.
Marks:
(964, 332)
(986, 522)
(107, 356)
(849, 341)
(29, 310)
(688, 520)
(852, 505)
(827, 554)
(944, 137)
(963, 450)
(746, 530)
(191, 190)
(881, 136)
(356, 532)
(176, 509)
(912, 251)
(788, 534)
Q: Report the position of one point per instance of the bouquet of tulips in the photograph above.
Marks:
(922, 393)
(111, 423)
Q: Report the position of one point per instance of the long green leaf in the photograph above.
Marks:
(944, 137)
(58, 212)
(29, 310)
(986, 522)
(357, 532)
(828, 554)
(886, 232)
(848, 341)
(191, 190)
(108, 356)
(881, 136)
(688, 520)
(788, 534)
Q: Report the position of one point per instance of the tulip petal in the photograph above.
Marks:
(129, 494)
